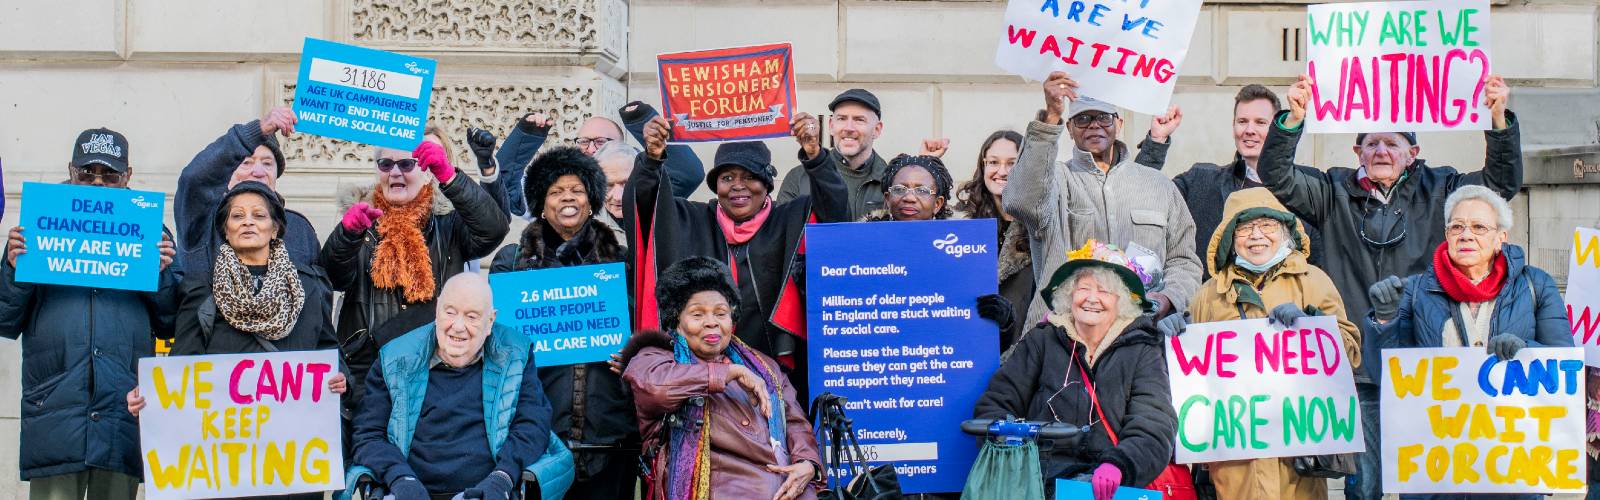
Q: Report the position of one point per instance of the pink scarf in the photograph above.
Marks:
(740, 233)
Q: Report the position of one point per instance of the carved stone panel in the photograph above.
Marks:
(455, 107)
(580, 25)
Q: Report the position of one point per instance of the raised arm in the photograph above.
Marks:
(515, 153)
(830, 199)
(1031, 195)
(1308, 195)
(1502, 158)
(205, 179)
(683, 166)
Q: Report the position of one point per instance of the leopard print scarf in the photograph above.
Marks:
(269, 311)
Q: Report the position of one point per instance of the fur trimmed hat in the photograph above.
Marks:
(550, 165)
(688, 277)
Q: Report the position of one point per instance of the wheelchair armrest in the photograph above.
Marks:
(552, 474)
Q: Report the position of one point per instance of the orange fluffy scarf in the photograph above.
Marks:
(402, 258)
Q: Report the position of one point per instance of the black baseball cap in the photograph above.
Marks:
(858, 96)
(101, 146)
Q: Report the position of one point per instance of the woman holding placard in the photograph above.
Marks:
(565, 188)
(1096, 361)
(1258, 267)
(255, 299)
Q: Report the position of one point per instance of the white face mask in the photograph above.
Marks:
(1283, 253)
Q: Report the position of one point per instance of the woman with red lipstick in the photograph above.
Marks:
(757, 236)
(590, 409)
(719, 418)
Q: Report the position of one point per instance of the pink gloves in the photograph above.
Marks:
(432, 157)
(1106, 479)
(360, 217)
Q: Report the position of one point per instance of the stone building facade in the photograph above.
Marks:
(174, 74)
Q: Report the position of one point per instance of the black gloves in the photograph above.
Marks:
(1506, 345)
(996, 308)
(635, 112)
(1285, 314)
(1172, 325)
(408, 488)
(1385, 295)
(482, 143)
(495, 487)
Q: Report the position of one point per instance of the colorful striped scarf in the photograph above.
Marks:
(689, 446)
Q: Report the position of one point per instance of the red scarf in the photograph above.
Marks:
(1459, 287)
(740, 233)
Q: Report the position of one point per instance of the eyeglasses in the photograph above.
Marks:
(898, 191)
(1265, 227)
(86, 176)
(1455, 229)
(1086, 119)
(1385, 221)
(998, 163)
(599, 142)
(386, 165)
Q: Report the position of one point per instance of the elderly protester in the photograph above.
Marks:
(246, 152)
(592, 410)
(1383, 217)
(758, 237)
(1259, 270)
(255, 298)
(452, 407)
(1096, 361)
(398, 242)
(1480, 291)
(1100, 194)
(719, 418)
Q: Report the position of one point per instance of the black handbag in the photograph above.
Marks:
(844, 457)
(1326, 466)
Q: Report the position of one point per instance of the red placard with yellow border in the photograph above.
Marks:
(733, 94)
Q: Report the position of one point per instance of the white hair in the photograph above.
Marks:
(1127, 308)
(616, 150)
(1502, 210)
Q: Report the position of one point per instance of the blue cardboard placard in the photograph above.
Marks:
(362, 95)
(572, 314)
(91, 236)
(892, 325)
(1067, 489)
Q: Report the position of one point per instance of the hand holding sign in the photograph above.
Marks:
(1299, 96)
(804, 129)
(17, 245)
(1495, 92)
(1057, 88)
(167, 251)
(278, 120)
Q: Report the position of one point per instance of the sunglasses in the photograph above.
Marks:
(85, 175)
(386, 165)
(1086, 119)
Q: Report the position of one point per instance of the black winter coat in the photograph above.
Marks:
(590, 405)
(1334, 202)
(203, 330)
(80, 357)
(679, 229)
(1130, 379)
(466, 226)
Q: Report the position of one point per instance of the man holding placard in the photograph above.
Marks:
(1387, 214)
(79, 347)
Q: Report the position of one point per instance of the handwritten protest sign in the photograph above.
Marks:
(362, 95)
(91, 236)
(734, 94)
(1247, 389)
(1123, 52)
(1457, 420)
(1387, 66)
(240, 425)
(1078, 490)
(1583, 293)
(896, 332)
(572, 314)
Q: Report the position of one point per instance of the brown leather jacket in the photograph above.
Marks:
(740, 449)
